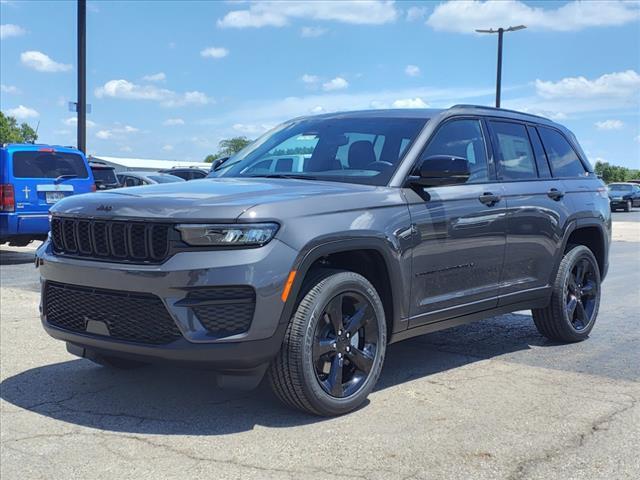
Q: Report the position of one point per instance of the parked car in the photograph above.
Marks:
(187, 173)
(624, 195)
(104, 175)
(136, 179)
(401, 223)
(33, 178)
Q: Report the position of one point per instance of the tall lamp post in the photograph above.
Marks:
(82, 76)
(500, 31)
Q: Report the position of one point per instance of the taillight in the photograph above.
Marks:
(7, 198)
(93, 187)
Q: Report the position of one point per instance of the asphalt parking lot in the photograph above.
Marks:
(492, 399)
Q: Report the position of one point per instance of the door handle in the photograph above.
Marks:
(489, 199)
(555, 194)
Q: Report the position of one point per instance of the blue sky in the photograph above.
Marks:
(170, 79)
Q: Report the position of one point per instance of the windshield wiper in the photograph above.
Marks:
(64, 177)
(284, 175)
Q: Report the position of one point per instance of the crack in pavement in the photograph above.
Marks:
(523, 467)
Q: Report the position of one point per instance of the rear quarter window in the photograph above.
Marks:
(48, 165)
(562, 157)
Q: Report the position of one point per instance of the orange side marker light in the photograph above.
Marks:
(288, 285)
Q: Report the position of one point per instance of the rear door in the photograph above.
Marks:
(43, 177)
(459, 229)
(537, 210)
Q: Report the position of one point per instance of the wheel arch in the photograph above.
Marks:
(376, 258)
(590, 233)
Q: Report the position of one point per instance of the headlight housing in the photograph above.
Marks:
(227, 235)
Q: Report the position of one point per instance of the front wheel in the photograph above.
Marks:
(627, 206)
(333, 348)
(575, 299)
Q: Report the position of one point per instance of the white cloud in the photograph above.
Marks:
(10, 89)
(42, 62)
(310, 79)
(214, 52)
(619, 84)
(155, 77)
(279, 14)
(167, 148)
(8, 30)
(170, 122)
(127, 90)
(249, 129)
(466, 16)
(73, 121)
(412, 70)
(317, 110)
(337, 83)
(22, 113)
(119, 131)
(609, 125)
(416, 102)
(126, 148)
(312, 32)
(416, 13)
(104, 134)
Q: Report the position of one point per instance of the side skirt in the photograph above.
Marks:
(472, 317)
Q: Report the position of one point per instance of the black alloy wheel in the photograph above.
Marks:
(345, 344)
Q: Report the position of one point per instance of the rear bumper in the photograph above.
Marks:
(16, 224)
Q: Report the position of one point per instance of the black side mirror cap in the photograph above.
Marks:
(439, 170)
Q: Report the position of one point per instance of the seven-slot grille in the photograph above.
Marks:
(110, 240)
(132, 316)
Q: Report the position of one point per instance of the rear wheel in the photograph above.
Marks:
(572, 312)
(334, 346)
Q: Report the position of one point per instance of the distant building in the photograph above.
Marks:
(122, 164)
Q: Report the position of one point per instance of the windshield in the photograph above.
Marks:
(620, 187)
(166, 178)
(354, 150)
(48, 165)
(104, 175)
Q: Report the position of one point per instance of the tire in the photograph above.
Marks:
(575, 299)
(627, 206)
(116, 363)
(331, 383)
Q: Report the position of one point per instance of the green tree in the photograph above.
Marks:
(228, 147)
(615, 173)
(11, 132)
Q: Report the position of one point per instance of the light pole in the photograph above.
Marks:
(82, 76)
(500, 31)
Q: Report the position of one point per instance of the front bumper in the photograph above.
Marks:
(264, 269)
(621, 203)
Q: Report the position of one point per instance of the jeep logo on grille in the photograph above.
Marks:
(104, 208)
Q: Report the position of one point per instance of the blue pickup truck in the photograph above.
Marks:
(32, 178)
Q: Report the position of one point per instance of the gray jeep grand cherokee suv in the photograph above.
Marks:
(388, 225)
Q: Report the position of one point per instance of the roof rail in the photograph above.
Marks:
(483, 107)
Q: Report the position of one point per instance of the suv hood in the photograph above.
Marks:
(209, 199)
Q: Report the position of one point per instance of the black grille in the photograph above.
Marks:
(135, 317)
(223, 311)
(111, 240)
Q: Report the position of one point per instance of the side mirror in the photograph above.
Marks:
(217, 163)
(439, 170)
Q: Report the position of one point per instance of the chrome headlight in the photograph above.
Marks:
(227, 235)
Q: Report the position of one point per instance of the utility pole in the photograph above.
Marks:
(500, 31)
(82, 76)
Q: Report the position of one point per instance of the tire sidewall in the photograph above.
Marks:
(327, 289)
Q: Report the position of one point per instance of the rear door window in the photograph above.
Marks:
(515, 155)
(48, 165)
(563, 158)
